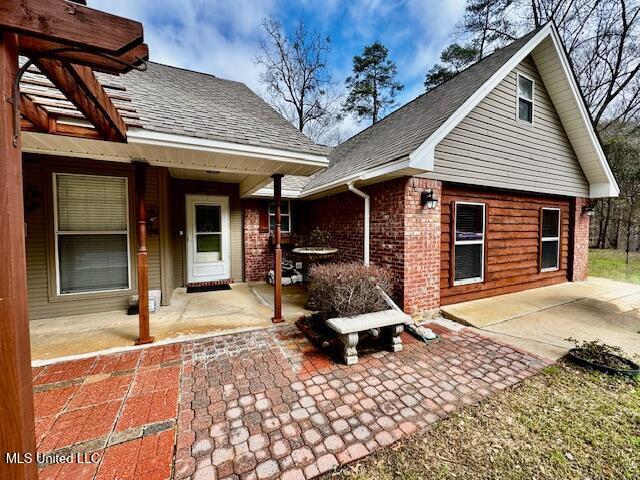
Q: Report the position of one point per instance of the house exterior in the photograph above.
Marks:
(506, 149)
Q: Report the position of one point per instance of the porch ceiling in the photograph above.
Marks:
(248, 165)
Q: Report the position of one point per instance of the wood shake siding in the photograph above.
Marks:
(491, 148)
(511, 246)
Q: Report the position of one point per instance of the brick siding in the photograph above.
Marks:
(404, 236)
(258, 258)
(580, 267)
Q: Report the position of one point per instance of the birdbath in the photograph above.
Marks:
(314, 254)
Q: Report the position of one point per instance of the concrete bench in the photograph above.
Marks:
(388, 322)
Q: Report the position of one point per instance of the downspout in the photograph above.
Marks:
(367, 201)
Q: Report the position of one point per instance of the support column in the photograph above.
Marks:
(17, 433)
(143, 267)
(277, 267)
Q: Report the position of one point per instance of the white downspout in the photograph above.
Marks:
(366, 219)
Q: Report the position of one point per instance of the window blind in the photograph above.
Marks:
(92, 233)
(91, 203)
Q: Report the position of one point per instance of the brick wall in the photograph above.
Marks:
(258, 258)
(342, 216)
(580, 267)
(422, 231)
(404, 236)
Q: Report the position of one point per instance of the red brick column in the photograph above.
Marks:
(422, 231)
(257, 254)
(580, 267)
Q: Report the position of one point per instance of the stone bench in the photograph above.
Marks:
(388, 322)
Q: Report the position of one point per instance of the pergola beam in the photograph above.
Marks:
(79, 84)
(17, 433)
(71, 24)
(30, 47)
(37, 115)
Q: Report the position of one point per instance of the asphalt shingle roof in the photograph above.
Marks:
(402, 131)
(178, 101)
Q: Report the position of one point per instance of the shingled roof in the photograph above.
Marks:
(402, 131)
(173, 100)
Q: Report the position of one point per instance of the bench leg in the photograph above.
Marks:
(349, 352)
(395, 342)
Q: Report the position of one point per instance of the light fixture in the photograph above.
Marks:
(589, 210)
(427, 199)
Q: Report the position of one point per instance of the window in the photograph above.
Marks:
(469, 242)
(91, 227)
(550, 240)
(285, 216)
(525, 99)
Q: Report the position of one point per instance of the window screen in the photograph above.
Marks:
(525, 99)
(550, 241)
(92, 233)
(285, 216)
(469, 242)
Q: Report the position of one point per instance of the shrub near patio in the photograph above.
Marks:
(348, 289)
(342, 290)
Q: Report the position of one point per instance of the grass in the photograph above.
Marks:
(564, 423)
(612, 264)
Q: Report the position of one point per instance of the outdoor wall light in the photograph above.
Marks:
(427, 199)
(589, 210)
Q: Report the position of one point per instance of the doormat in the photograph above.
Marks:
(208, 288)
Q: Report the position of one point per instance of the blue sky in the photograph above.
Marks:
(221, 36)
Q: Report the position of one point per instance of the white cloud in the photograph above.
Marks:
(221, 36)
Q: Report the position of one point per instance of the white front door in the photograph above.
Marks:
(208, 238)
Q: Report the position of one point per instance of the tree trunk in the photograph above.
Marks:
(629, 218)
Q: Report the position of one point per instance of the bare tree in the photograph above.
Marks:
(297, 80)
(602, 38)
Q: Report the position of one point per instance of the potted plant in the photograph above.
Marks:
(600, 356)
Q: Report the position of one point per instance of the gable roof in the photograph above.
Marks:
(176, 101)
(405, 140)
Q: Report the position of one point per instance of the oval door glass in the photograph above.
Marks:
(208, 233)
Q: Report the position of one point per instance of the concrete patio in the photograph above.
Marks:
(243, 307)
(261, 404)
(540, 320)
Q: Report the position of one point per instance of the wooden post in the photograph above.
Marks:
(143, 267)
(277, 268)
(17, 433)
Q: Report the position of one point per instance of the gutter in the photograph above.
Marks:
(367, 211)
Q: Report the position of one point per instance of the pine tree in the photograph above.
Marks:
(372, 86)
(454, 58)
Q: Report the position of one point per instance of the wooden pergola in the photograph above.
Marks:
(67, 41)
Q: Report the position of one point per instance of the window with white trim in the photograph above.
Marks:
(550, 240)
(285, 216)
(469, 226)
(525, 99)
(91, 228)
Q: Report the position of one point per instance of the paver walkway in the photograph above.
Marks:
(121, 407)
(268, 405)
(257, 405)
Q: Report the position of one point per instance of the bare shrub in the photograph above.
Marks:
(348, 289)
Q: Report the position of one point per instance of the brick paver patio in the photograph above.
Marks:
(258, 405)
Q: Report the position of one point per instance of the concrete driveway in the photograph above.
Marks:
(541, 320)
